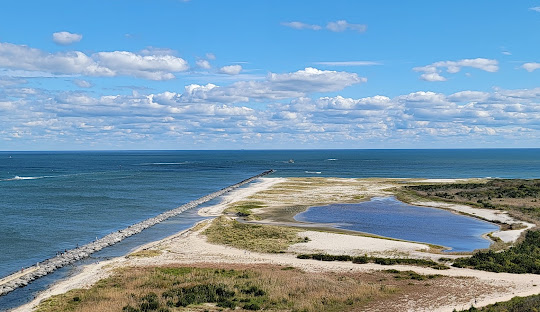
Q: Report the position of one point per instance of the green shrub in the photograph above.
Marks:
(377, 260)
(522, 258)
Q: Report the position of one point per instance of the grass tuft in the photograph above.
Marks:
(145, 253)
(260, 238)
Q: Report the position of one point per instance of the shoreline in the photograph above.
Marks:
(190, 247)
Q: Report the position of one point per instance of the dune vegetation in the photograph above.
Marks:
(253, 237)
(181, 288)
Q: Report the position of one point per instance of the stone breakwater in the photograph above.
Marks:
(24, 277)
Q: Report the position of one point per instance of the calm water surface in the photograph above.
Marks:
(386, 216)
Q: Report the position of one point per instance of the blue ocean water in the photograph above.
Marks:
(386, 216)
(51, 201)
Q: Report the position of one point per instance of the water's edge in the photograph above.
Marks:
(23, 278)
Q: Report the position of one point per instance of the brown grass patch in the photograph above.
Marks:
(145, 253)
(266, 287)
(260, 238)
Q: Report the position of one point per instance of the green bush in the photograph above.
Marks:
(522, 258)
(377, 260)
(516, 304)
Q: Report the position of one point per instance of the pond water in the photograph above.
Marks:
(386, 216)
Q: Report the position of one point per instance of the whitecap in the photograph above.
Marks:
(16, 178)
(314, 172)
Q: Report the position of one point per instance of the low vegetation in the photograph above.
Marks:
(517, 195)
(260, 238)
(145, 253)
(521, 258)
(244, 208)
(171, 289)
(406, 275)
(516, 304)
(377, 260)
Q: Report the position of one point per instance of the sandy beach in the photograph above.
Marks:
(463, 288)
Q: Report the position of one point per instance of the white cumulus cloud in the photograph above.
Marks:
(231, 69)
(530, 67)
(274, 87)
(203, 64)
(432, 72)
(432, 77)
(66, 38)
(103, 64)
(314, 80)
(154, 67)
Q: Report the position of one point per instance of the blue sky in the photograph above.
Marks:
(199, 74)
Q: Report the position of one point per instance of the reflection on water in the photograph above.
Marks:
(386, 216)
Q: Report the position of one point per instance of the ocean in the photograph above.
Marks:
(52, 201)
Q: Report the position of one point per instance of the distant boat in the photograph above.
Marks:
(291, 161)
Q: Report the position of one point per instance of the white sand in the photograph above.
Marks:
(341, 244)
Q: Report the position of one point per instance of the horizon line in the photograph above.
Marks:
(262, 149)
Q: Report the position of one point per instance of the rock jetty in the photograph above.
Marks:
(27, 275)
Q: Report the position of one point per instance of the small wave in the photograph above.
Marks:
(331, 159)
(313, 172)
(16, 178)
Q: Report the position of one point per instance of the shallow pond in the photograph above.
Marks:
(386, 216)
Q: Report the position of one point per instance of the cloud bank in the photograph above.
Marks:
(291, 115)
(100, 64)
(433, 71)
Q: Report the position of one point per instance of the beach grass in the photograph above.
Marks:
(181, 288)
(259, 238)
(145, 253)
(245, 208)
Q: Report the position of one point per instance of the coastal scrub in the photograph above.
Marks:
(521, 258)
